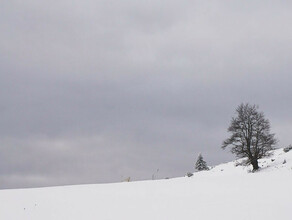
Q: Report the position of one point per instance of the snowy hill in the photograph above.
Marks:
(225, 192)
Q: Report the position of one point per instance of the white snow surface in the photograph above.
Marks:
(224, 192)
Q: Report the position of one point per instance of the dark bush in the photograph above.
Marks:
(189, 174)
(287, 149)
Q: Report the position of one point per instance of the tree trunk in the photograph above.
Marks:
(255, 164)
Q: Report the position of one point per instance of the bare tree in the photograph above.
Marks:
(250, 135)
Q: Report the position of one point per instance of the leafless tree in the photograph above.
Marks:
(250, 135)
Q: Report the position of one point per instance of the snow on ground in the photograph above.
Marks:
(225, 192)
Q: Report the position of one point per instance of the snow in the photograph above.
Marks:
(224, 192)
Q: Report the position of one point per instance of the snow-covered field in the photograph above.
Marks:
(225, 192)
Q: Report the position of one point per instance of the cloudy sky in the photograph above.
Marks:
(95, 91)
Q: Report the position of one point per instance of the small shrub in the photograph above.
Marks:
(287, 149)
(189, 174)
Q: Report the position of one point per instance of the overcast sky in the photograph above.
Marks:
(95, 91)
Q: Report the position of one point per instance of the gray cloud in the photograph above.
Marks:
(96, 91)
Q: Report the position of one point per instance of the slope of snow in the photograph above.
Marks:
(225, 192)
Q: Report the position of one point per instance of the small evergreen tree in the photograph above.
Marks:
(201, 164)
